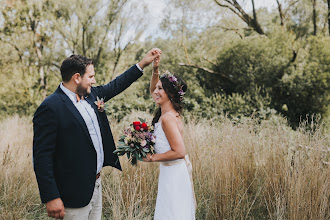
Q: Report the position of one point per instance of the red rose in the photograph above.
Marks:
(144, 126)
(137, 128)
(136, 123)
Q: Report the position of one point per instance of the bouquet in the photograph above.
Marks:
(137, 141)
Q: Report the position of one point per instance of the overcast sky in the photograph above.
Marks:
(157, 6)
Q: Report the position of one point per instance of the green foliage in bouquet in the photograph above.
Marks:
(137, 141)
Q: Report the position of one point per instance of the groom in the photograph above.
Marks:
(73, 141)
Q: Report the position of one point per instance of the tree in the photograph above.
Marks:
(28, 20)
(314, 17)
(36, 36)
(283, 12)
(85, 26)
(126, 33)
(329, 16)
(98, 29)
(236, 8)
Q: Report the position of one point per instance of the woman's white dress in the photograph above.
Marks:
(175, 197)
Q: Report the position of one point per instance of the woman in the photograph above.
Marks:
(175, 198)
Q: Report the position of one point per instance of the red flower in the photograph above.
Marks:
(144, 126)
(136, 123)
(137, 128)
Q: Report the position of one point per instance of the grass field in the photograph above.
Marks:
(248, 170)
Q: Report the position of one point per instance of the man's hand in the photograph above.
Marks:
(55, 208)
(149, 57)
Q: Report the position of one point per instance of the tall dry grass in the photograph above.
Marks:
(248, 170)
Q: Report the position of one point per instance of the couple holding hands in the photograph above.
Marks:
(73, 141)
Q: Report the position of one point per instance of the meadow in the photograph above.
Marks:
(246, 170)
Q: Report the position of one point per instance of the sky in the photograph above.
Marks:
(156, 8)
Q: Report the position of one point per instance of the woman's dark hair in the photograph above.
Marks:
(74, 64)
(172, 91)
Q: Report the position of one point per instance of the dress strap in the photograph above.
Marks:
(175, 119)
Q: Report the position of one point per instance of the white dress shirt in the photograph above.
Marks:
(88, 114)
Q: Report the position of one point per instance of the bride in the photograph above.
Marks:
(175, 198)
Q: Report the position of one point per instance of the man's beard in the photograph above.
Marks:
(81, 90)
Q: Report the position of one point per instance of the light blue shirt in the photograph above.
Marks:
(88, 114)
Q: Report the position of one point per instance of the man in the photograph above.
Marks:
(73, 141)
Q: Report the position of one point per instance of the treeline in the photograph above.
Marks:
(236, 61)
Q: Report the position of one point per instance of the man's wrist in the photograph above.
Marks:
(141, 64)
(138, 65)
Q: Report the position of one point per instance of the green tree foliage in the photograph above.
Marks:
(238, 59)
(298, 84)
(26, 40)
(36, 36)
(305, 84)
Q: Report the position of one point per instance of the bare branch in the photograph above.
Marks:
(236, 30)
(227, 6)
(205, 69)
(56, 65)
(293, 3)
(19, 53)
(235, 7)
(289, 6)
(211, 62)
(280, 12)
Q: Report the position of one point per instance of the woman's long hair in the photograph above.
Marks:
(172, 92)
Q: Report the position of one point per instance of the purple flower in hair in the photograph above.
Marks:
(175, 82)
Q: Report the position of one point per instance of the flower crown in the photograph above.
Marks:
(175, 83)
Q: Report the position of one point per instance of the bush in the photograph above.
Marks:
(296, 80)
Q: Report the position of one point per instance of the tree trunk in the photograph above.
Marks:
(43, 82)
(83, 40)
(254, 11)
(280, 11)
(329, 16)
(314, 17)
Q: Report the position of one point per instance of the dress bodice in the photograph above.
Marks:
(162, 145)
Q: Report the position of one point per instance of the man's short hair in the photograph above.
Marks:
(74, 64)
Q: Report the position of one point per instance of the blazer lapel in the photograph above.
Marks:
(68, 103)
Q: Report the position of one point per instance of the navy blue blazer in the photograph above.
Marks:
(64, 157)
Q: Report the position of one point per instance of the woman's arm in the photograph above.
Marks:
(172, 132)
(155, 74)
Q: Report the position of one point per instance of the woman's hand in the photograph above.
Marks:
(147, 159)
(155, 64)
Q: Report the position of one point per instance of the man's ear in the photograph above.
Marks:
(76, 78)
